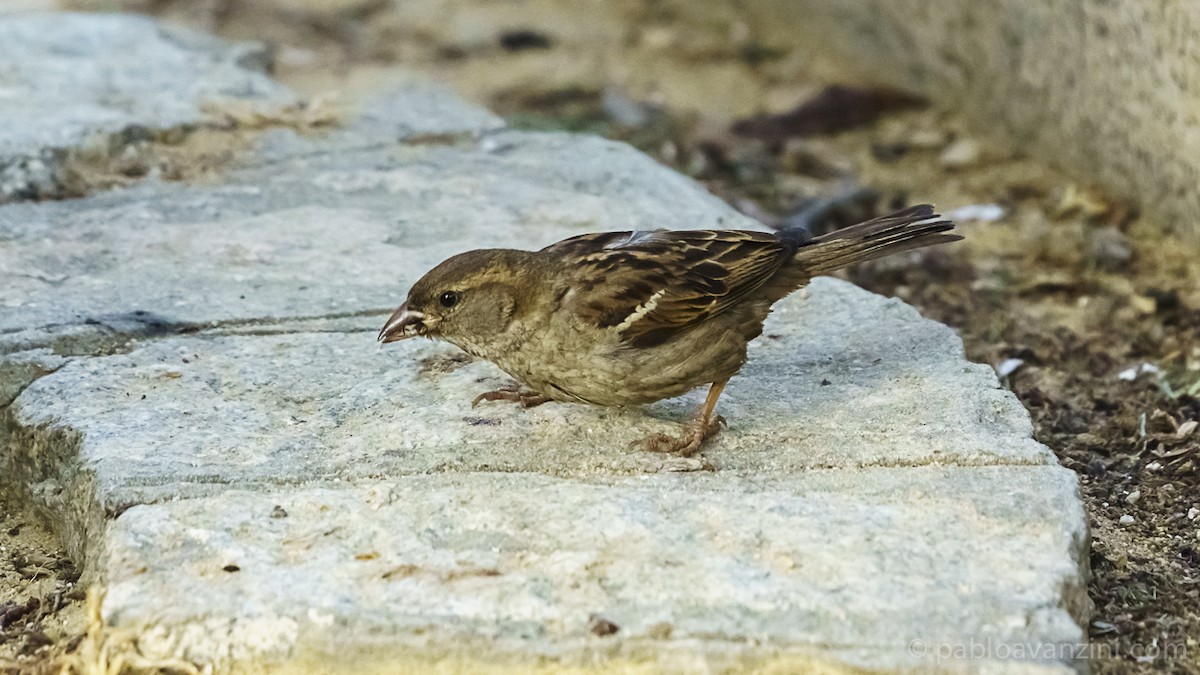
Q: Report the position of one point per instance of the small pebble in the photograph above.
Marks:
(961, 154)
(1193, 513)
(601, 626)
(1143, 304)
(1126, 519)
(1008, 367)
(1111, 249)
(1133, 497)
(927, 139)
(660, 631)
(1154, 466)
(986, 213)
(1131, 373)
(624, 110)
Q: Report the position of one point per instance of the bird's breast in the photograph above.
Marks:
(583, 364)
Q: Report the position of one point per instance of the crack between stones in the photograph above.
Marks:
(105, 338)
(200, 489)
(22, 477)
(103, 163)
(21, 388)
(282, 321)
(268, 333)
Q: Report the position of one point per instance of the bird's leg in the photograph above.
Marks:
(703, 426)
(512, 392)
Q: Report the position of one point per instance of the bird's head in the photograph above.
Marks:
(467, 300)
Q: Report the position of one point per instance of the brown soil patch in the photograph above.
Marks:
(41, 607)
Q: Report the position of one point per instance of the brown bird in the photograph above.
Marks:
(625, 318)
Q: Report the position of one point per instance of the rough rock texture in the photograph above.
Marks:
(192, 393)
(713, 569)
(74, 83)
(1109, 91)
(848, 380)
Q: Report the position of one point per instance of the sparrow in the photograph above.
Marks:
(627, 318)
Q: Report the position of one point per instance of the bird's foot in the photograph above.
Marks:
(688, 443)
(527, 399)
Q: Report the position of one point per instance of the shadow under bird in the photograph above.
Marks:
(626, 318)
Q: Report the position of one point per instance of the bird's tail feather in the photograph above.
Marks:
(903, 230)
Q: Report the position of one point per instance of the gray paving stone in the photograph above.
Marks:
(328, 227)
(876, 567)
(94, 83)
(420, 111)
(309, 406)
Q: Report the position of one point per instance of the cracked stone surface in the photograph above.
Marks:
(91, 83)
(305, 406)
(192, 393)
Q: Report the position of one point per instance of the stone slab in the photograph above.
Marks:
(81, 82)
(415, 110)
(329, 226)
(699, 572)
(842, 379)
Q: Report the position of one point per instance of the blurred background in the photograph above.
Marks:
(1064, 138)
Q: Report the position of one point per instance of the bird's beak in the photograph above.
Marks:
(403, 323)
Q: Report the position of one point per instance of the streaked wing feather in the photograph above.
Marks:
(654, 284)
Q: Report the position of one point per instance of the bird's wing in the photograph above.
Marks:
(650, 285)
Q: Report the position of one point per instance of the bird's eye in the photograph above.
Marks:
(449, 298)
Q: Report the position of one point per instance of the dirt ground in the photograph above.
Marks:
(1090, 312)
(41, 607)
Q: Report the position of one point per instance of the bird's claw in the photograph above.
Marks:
(685, 445)
(526, 399)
